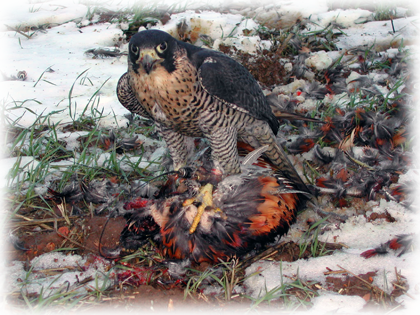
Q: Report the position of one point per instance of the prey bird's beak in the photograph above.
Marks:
(147, 59)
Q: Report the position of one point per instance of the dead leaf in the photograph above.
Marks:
(64, 230)
(50, 246)
(366, 297)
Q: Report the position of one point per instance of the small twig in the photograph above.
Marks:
(284, 44)
(17, 31)
(361, 279)
(392, 23)
(372, 287)
(391, 310)
(62, 208)
(269, 255)
(398, 277)
(58, 5)
(118, 298)
(412, 23)
(358, 162)
(405, 291)
(54, 271)
(400, 286)
(72, 241)
(13, 293)
(334, 272)
(268, 252)
(29, 221)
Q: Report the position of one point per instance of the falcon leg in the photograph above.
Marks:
(224, 150)
(176, 145)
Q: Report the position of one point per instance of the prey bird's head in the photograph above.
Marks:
(150, 49)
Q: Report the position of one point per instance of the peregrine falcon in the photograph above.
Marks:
(190, 91)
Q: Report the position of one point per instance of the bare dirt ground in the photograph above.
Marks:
(147, 285)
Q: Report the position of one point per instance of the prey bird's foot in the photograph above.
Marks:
(205, 199)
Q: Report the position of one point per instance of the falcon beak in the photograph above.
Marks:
(147, 59)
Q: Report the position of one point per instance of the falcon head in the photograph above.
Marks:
(151, 49)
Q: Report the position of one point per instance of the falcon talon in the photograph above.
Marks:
(186, 172)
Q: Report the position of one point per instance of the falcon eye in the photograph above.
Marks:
(162, 47)
(134, 49)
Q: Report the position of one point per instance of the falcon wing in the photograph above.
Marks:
(127, 97)
(230, 82)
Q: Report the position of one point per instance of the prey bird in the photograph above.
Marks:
(190, 91)
(202, 222)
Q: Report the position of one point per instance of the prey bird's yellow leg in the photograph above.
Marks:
(197, 218)
(205, 196)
